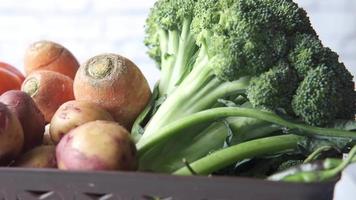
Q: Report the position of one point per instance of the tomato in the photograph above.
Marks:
(10, 78)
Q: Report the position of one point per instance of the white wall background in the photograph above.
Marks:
(90, 27)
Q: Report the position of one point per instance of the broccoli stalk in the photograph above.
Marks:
(171, 43)
(198, 141)
(211, 115)
(254, 148)
(316, 172)
(200, 90)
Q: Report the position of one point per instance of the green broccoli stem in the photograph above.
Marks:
(313, 156)
(169, 41)
(323, 175)
(200, 90)
(214, 114)
(186, 51)
(254, 148)
(177, 51)
(199, 141)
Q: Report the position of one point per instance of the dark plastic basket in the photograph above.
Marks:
(16, 183)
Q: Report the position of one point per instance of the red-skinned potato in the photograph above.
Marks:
(97, 145)
(39, 157)
(31, 118)
(114, 83)
(11, 135)
(73, 114)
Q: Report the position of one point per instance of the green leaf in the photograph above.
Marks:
(151, 108)
(312, 144)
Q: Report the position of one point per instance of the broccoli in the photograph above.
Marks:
(240, 42)
(265, 53)
(170, 42)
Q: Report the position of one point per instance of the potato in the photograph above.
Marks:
(11, 135)
(74, 113)
(97, 145)
(31, 118)
(39, 157)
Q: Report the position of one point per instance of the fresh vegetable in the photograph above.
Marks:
(30, 117)
(317, 171)
(11, 135)
(10, 78)
(73, 114)
(114, 83)
(39, 157)
(97, 145)
(255, 49)
(47, 140)
(250, 149)
(49, 90)
(260, 60)
(48, 55)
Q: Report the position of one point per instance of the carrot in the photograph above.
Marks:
(49, 90)
(114, 83)
(10, 78)
(47, 55)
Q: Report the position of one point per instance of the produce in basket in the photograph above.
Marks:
(39, 157)
(47, 140)
(97, 145)
(48, 55)
(10, 78)
(49, 90)
(11, 135)
(30, 117)
(73, 114)
(236, 75)
(114, 83)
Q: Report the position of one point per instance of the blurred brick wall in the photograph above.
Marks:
(89, 27)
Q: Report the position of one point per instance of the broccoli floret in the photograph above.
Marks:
(317, 98)
(326, 92)
(306, 53)
(274, 89)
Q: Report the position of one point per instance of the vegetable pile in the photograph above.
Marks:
(247, 89)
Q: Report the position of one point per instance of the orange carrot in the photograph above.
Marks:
(49, 90)
(114, 83)
(47, 55)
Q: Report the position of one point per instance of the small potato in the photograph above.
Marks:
(11, 135)
(39, 157)
(31, 118)
(97, 145)
(73, 114)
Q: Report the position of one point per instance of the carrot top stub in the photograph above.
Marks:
(100, 67)
(31, 86)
